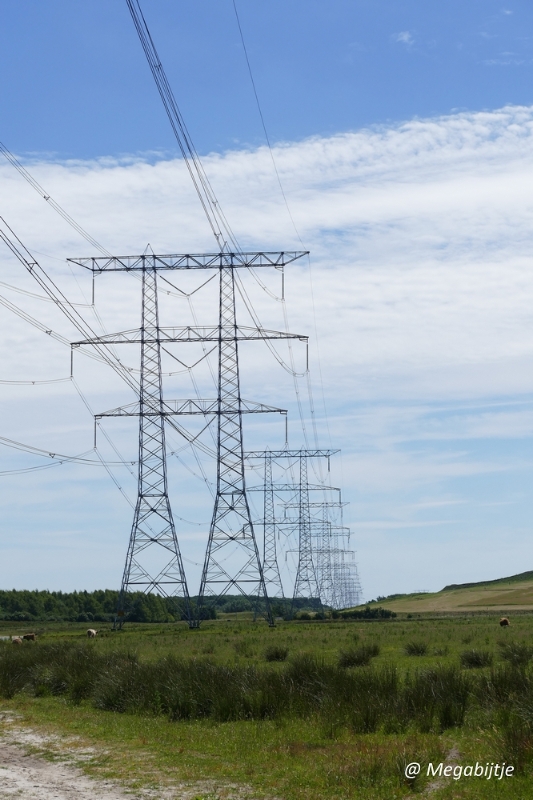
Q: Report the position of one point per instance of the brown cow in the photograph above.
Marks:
(29, 637)
(16, 640)
(91, 633)
(504, 622)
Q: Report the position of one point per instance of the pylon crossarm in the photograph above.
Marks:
(190, 407)
(293, 487)
(242, 333)
(252, 454)
(188, 261)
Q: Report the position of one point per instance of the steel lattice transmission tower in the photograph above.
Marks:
(153, 524)
(306, 584)
(270, 555)
(153, 561)
(232, 557)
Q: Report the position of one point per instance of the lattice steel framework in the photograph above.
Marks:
(335, 565)
(270, 556)
(153, 561)
(232, 557)
(307, 584)
(153, 524)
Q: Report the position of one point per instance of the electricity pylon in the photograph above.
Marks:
(270, 556)
(306, 584)
(232, 557)
(271, 571)
(153, 560)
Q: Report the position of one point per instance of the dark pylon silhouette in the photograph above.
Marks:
(271, 571)
(306, 583)
(232, 561)
(153, 526)
(153, 561)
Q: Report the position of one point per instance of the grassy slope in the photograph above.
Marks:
(506, 594)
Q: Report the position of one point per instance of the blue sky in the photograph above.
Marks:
(403, 135)
(78, 87)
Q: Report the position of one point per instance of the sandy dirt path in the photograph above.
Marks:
(40, 766)
(36, 766)
(28, 777)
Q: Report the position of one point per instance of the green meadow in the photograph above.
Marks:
(308, 709)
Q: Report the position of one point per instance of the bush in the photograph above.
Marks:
(516, 653)
(358, 656)
(375, 612)
(276, 653)
(416, 649)
(473, 659)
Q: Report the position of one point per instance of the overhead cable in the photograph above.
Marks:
(212, 210)
(50, 200)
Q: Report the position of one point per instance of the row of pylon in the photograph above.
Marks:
(232, 561)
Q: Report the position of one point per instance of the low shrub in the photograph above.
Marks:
(516, 653)
(473, 659)
(369, 612)
(358, 656)
(415, 649)
(276, 652)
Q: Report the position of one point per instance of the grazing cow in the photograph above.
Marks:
(29, 637)
(504, 622)
(16, 640)
(91, 633)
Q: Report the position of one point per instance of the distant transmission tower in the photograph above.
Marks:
(232, 558)
(306, 584)
(271, 571)
(347, 579)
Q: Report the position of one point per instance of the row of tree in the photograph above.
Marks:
(101, 606)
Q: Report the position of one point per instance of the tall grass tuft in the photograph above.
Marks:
(358, 656)
(415, 648)
(516, 653)
(473, 659)
(276, 652)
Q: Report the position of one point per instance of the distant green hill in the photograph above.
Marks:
(514, 593)
(523, 576)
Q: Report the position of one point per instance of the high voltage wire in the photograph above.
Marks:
(291, 368)
(27, 260)
(212, 210)
(51, 202)
(39, 296)
(214, 214)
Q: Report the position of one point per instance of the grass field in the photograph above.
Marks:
(309, 710)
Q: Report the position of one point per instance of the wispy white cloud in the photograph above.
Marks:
(421, 237)
(404, 37)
